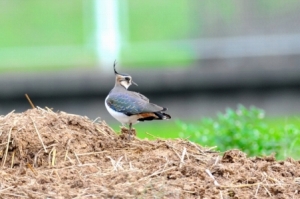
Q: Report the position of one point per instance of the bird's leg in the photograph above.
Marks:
(129, 132)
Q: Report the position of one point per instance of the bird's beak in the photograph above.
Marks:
(134, 83)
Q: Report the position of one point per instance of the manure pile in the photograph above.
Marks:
(58, 155)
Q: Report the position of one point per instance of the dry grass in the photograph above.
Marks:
(58, 155)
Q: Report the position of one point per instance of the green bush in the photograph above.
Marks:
(244, 129)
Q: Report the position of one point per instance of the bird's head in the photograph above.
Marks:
(124, 80)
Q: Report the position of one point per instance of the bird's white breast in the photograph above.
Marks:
(121, 117)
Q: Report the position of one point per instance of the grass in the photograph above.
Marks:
(161, 129)
(171, 129)
(243, 128)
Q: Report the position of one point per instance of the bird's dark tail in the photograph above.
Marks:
(153, 116)
(163, 116)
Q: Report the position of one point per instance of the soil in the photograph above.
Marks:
(59, 155)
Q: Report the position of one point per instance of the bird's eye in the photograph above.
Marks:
(127, 78)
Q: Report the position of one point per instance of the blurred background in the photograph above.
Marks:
(195, 57)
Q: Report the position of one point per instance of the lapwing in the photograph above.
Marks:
(130, 107)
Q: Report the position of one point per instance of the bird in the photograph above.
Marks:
(129, 107)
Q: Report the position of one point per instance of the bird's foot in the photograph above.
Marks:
(127, 133)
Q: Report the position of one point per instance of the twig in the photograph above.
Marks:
(182, 157)
(53, 156)
(130, 166)
(91, 153)
(16, 195)
(7, 146)
(216, 161)
(173, 150)
(35, 157)
(221, 195)
(95, 120)
(66, 154)
(158, 172)
(39, 108)
(31, 168)
(113, 162)
(167, 162)
(40, 138)
(77, 158)
(258, 186)
(249, 185)
(104, 133)
(49, 109)
(270, 178)
(56, 172)
(87, 164)
(116, 164)
(212, 177)
(12, 159)
(6, 189)
(72, 162)
(210, 149)
(197, 147)
(67, 150)
(49, 156)
(267, 191)
(30, 102)
(9, 114)
(152, 135)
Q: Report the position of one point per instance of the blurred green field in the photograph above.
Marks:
(161, 129)
(62, 34)
(171, 129)
(42, 36)
(58, 35)
(284, 129)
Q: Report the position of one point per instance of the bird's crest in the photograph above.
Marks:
(115, 63)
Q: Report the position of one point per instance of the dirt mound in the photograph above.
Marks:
(58, 155)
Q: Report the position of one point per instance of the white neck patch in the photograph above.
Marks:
(125, 84)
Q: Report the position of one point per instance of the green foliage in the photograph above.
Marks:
(247, 130)
(290, 141)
